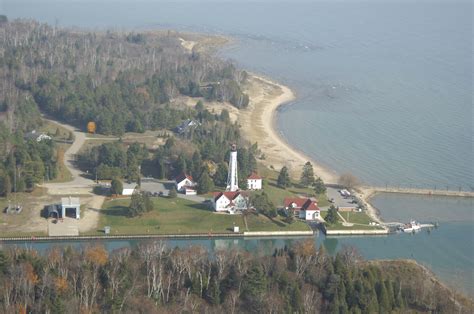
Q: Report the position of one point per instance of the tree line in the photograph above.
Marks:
(151, 278)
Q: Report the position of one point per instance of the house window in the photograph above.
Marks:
(297, 213)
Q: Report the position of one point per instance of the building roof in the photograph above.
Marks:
(183, 176)
(254, 176)
(229, 195)
(300, 203)
(132, 185)
(37, 136)
(186, 125)
(70, 201)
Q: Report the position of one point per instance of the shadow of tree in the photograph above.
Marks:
(278, 223)
(200, 206)
(116, 211)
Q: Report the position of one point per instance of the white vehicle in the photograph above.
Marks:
(345, 193)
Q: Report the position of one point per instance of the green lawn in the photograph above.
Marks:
(179, 216)
(277, 195)
(360, 219)
(262, 223)
(356, 217)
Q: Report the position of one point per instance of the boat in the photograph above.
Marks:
(412, 226)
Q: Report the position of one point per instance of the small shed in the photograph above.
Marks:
(69, 204)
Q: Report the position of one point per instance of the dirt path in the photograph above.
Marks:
(79, 185)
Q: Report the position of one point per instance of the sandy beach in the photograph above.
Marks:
(258, 123)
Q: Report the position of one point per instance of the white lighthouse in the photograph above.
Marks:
(232, 179)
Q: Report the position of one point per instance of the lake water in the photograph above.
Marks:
(384, 91)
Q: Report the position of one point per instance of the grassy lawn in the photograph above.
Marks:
(356, 217)
(179, 216)
(277, 195)
(63, 172)
(262, 223)
(360, 219)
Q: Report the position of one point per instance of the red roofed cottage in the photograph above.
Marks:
(229, 201)
(254, 182)
(303, 208)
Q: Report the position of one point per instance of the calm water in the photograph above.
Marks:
(384, 91)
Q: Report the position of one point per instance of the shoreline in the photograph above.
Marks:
(258, 123)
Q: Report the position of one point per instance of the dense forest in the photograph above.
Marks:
(151, 278)
(122, 81)
(118, 80)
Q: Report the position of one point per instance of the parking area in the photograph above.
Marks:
(339, 200)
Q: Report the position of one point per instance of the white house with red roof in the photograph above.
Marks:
(185, 184)
(304, 208)
(254, 182)
(231, 202)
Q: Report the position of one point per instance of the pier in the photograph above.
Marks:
(420, 191)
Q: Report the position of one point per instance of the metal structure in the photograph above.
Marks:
(232, 178)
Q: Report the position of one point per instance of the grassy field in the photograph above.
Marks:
(277, 195)
(179, 216)
(360, 220)
(356, 217)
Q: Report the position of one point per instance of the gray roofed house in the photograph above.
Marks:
(186, 126)
(37, 136)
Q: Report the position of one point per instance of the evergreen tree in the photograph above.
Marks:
(139, 204)
(205, 183)
(382, 297)
(332, 216)
(283, 180)
(220, 177)
(5, 185)
(319, 187)
(307, 176)
(116, 186)
(254, 285)
(196, 164)
(181, 166)
(172, 192)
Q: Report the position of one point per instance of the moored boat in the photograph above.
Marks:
(412, 226)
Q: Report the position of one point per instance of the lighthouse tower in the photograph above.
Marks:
(232, 180)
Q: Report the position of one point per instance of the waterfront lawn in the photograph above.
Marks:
(360, 220)
(180, 216)
(277, 194)
(262, 223)
(356, 217)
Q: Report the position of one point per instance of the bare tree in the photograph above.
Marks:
(348, 180)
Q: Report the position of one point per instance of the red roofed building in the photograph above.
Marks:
(229, 201)
(303, 208)
(185, 184)
(254, 182)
